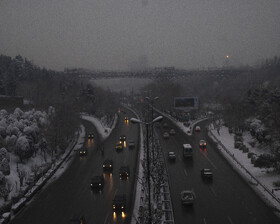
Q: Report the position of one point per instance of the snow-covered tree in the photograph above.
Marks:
(18, 112)
(51, 111)
(3, 113)
(5, 166)
(4, 154)
(23, 150)
(5, 190)
(2, 178)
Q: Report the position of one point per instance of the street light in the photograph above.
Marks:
(134, 121)
(152, 106)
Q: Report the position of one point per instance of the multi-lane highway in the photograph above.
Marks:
(70, 195)
(228, 199)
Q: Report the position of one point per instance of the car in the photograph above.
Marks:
(122, 138)
(171, 155)
(97, 182)
(124, 172)
(131, 144)
(77, 220)
(187, 197)
(206, 174)
(165, 135)
(119, 146)
(108, 165)
(119, 203)
(197, 128)
(187, 151)
(83, 152)
(90, 135)
(172, 131)
(202, 144)
(165, 125)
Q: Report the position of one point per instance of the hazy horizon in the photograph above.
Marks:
(120, 35)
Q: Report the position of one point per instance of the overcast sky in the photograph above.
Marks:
(118, 34)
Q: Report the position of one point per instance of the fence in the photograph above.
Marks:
(247, 172)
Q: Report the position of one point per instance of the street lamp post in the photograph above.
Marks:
(152, 106)
(157, 119)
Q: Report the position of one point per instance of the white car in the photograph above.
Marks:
(171, 155)
(187, 197)
(131, 144)
(197, 128)
(172, 131)
(165, 135)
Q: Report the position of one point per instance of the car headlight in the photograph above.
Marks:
(122, 207)
(110, 165)
(90, 184)
(103, 165)
(99, 184)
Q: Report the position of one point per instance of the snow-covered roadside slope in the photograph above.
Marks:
(103, 131)
(256, 177)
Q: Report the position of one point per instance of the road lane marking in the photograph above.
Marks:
(204, 220)
(185, 172)
(230, 221)
(209, 160)
(211, 188)
(116, 192)
(105, 221)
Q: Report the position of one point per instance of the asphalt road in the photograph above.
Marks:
(70, 195)
(228, 199)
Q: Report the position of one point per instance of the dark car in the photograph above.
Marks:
(119, 146)
(122, 138)
(124, 172)
(202, 144)
(119, 203)
(90, 136)
(77, 220)
(83, 152)
(172, 156)
(108, 165)
(131, 144)
(206, 174)
(97, 182)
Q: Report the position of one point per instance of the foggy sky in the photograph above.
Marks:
(119, 34)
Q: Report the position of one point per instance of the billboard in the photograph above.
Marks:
(185, 103)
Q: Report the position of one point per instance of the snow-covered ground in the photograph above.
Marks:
(57, 168)
(261, 179)
(103, 131)
(186, 129)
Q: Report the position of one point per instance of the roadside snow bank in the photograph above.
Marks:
(101, 128)
(186, 129)
(261, 179)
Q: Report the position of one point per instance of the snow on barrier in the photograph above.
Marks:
(38, 186)
(138, 191)
(256, 182)
(139, 202)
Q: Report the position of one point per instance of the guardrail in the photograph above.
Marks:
(140, 194)
(168, 211)
(244, 168)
